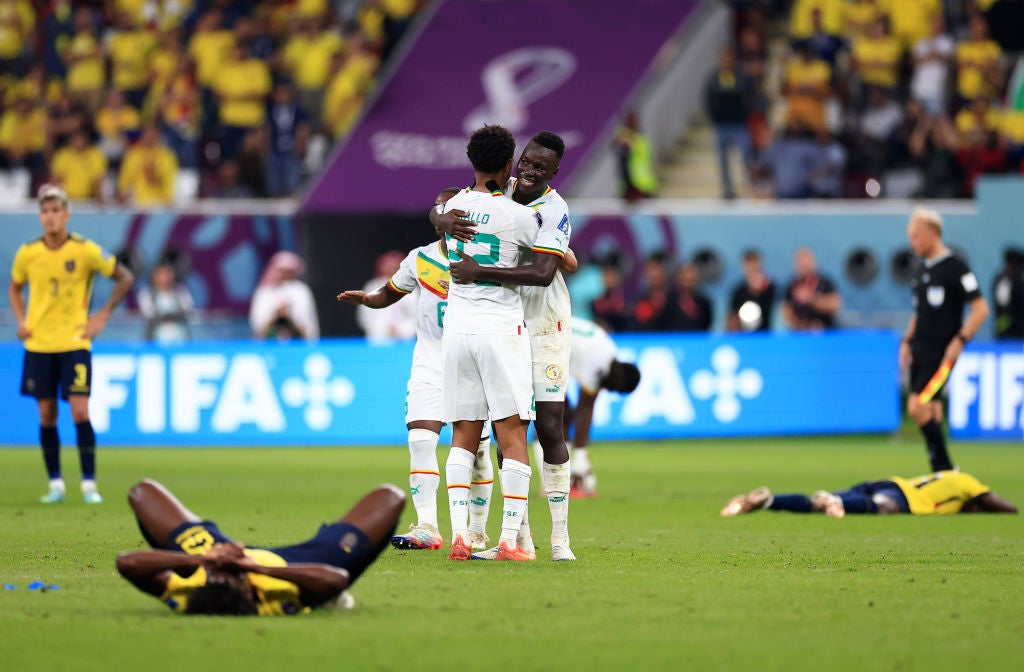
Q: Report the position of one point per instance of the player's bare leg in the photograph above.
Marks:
(50, 443)
(158, 512)
(555, 474)
(424, 479)
(86, 447)
(459, 477)
(752, 501)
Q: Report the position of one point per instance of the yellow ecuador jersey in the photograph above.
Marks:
(243, 87)
(59, 289)
(940, 493)
(313, 65)
(878, 60)
(17, 23)
(972, 58)
(857, 16)
(800, 17)
(88, 72)
(911, 20)
(148, 174)
(210, 50)
(968, 123)
(130, 52)
(79, 171)
(274, 597)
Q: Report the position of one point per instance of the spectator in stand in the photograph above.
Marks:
(978, 72)
(637, 179)
(982, 154)
(252, 163)
(858, 17)
(876, 131)
(131, 48)
(610, 309)
(67, 115)
(826, 178)
(933, 145)
(655, 311)
(812, 301)
(114, 122)
(167, 306)
(752, 303)
(752, 57)
(806, 87)
(229, 184)
(80, 168)
(397, 321)
(824, 46)
(801, 22)
(178, 110)
(694, 307)
(282, 306)
(932, 56)
(876, 58)
(791, 161)
(83, 58)
(149, 171)
(210, 47)
(913, 20)
(57, 30)
(976, 121)
(23, 141)
(308, 57)
(241, 86)
(1008, 296)
(289, 133)
(17, 36)
(352, 76)
(728, 96)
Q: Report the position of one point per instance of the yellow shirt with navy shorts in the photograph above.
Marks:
(274, 597)
(944, 492)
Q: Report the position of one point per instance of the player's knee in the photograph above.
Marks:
(391, 496)
(80, 415)
(549, 431)
(140, 491)
(48, 414)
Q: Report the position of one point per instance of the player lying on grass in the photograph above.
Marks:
(942, 492)
(196, 569)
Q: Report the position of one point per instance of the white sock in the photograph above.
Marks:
(424, 477)
(88, 485)
(580, 462)
(515, 487)
(481, 487)
(58, 484)
(556, 485)
(459, 474)
(538, 453)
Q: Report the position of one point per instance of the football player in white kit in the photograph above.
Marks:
(485, 346)
(547, 311)
(424, 272)
(594, 366)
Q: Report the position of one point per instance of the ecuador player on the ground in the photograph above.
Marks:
(57, 330)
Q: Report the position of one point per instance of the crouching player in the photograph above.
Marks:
(196, 569)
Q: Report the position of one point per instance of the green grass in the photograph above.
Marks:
(662, 582)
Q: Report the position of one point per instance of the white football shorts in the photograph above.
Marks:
(550, 354)
(487, 376)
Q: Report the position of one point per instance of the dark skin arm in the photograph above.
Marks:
(317, 582)
(381, 297)
(990, 502)
(149, 571)
(452, 223)
(538, 273)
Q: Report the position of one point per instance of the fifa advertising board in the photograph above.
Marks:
(343, 392)
(986, 392)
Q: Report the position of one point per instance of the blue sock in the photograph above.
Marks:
(795, 503)
(50, 442)
(86, 449)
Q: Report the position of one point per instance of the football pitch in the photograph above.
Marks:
(662, 582)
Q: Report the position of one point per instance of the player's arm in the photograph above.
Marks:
(123, 281)
(452, 223)
(381, 297)
(583, 416)
(569, 263)
(17, 301)
(540, 272)
(317, 582)
(977, 314)
(990, 502)
(149, 571)
(905, 355)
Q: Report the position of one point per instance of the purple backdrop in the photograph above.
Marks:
(560, 65)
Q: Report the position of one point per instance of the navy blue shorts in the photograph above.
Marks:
(887, 488)
(43, 372)
(194, 538)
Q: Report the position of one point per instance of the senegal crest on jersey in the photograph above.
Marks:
(431, 274)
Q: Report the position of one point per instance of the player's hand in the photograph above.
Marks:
(23, 331)
(452, 223)
(221, 554)
(354, 296)
(464, 271)
(94, 325)
(241, 564)
(906, 356)
(953, 350)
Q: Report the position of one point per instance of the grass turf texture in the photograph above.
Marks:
(662, 582)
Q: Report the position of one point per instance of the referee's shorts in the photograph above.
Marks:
(927, 360)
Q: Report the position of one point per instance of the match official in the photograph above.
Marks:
(937, 332)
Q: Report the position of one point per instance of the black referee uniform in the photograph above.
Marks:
(942, 287)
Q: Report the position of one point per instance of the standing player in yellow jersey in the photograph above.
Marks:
(941, 492)
(57, 330)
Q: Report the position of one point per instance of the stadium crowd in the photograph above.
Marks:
(143, 101)
(868, 92)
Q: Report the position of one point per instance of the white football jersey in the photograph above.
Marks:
(593, 352)
(422, 271)
(503, 227)
(547, 309)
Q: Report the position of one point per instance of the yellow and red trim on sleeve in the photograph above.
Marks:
(392, 285)
(549, 250)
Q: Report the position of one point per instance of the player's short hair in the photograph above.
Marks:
(751, 254)
(490, 148)
(220, 599)
(622, 377)
(930, 217)
(552, 141)
(52, 192)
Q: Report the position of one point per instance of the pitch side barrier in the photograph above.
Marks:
(345, 391)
